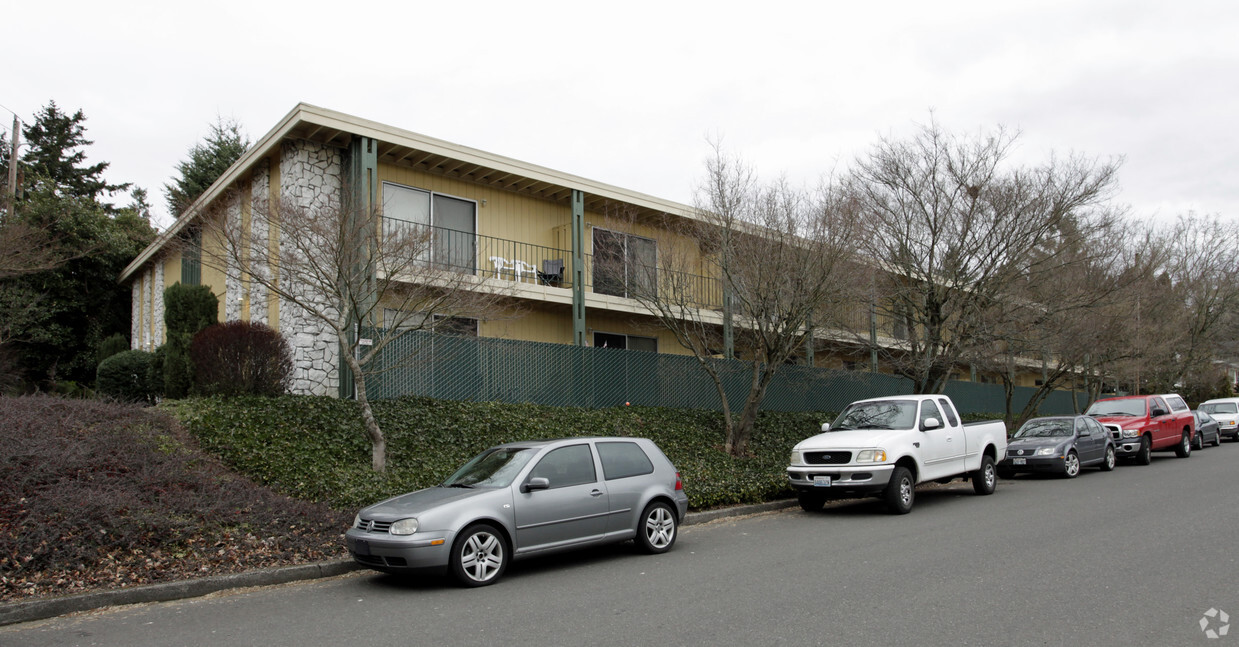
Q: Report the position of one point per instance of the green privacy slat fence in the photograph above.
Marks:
(488, 369)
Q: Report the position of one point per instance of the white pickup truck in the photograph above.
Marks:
(884, 447)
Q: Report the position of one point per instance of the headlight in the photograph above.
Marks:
(871, 456)
(1131, 433)
(1047, 451)
(795, 459)
(404, 527)
(357, 520)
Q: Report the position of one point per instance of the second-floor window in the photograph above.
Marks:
(624, 265)
(448, 224)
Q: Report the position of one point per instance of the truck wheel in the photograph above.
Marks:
(985, 479)
(1144, 455)
(810, 501)
(900, 492)
(1110, 461)
(1185, 447)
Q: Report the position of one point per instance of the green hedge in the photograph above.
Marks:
(315, 448)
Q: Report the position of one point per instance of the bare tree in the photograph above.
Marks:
(954, 232)
(367, 278)
(763, 259)
(1195, 294)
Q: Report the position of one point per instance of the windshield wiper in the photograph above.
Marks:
(461, 485)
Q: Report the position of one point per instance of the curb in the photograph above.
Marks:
(31, 610)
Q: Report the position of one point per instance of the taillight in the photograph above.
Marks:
(678, 484)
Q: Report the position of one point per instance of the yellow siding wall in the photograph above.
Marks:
(211, 276)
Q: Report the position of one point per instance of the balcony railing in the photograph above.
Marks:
(500, 258)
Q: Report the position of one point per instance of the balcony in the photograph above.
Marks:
(510, 260)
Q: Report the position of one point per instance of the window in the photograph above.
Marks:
(1176, 403)
(621, 460)
(191, 259)
(949, 411)
(624, 264)
(459, 326)
(930, 410)
(629, 342)
(567, 466)
(452, 223)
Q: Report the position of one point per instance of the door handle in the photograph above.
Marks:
(596, 493)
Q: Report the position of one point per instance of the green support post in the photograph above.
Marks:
(578, 268)
(362, 192)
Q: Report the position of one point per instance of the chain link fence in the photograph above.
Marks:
(488, 369)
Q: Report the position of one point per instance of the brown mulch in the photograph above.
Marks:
(97, 496)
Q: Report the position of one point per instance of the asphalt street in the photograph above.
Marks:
(1132, 557)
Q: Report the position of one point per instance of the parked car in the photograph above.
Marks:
(522, 499)
(1061, 444)
(1142, 424)
(884, 447)
(1206, 427)
(1226, 412)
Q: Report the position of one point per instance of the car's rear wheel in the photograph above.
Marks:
(1185, 447)
(900, 493)
(1217, 439)
(1144, 455)
(479, 556)
(985, 479)
(658, 528)
(1071, 465)
(1110, 460)
(810, 501)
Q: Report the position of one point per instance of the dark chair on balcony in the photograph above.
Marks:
(552, 273)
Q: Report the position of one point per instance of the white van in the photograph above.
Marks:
(1226, 412)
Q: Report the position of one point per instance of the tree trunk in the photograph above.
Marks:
(378, 443)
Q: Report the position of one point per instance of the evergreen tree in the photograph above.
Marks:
(225, 144)
(54, 154)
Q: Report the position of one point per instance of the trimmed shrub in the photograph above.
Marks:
(155, 376)
(123, 376)
(189, 308)
(117, 343)
(239, 357)
(178, 368)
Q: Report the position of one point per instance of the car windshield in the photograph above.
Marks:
(496, 467)
(883, 414)
(1046, 428)
(1220, 407)
(1121, 407)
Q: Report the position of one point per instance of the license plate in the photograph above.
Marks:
(361, 547)
(1019, 461)
(821, 481)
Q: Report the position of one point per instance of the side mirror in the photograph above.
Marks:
(1157, 413)
(825, 426)
(930, 423)
(536, 483)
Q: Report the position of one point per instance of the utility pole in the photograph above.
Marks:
(10, 195)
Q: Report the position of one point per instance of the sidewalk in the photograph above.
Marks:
(30, 610)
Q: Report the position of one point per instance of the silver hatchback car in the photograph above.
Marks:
(522, 499)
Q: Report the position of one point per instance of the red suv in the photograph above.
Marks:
(1142, 424)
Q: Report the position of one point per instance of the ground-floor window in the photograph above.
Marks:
(628, 342)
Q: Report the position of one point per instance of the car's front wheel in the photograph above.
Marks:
(1071, 465)
(900, 492)
(1110, 461)
(985, 479)
(1198, 443)
(1144, 455)
(480, 555)
(658, 528)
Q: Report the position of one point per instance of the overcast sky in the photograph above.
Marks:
(628, 93)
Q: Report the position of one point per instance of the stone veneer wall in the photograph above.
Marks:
(260, 195)
(157, 307)
(147, 279)
(310, 178)
(135, 315)
(232, 276)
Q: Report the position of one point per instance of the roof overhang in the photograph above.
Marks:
(406, 148)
